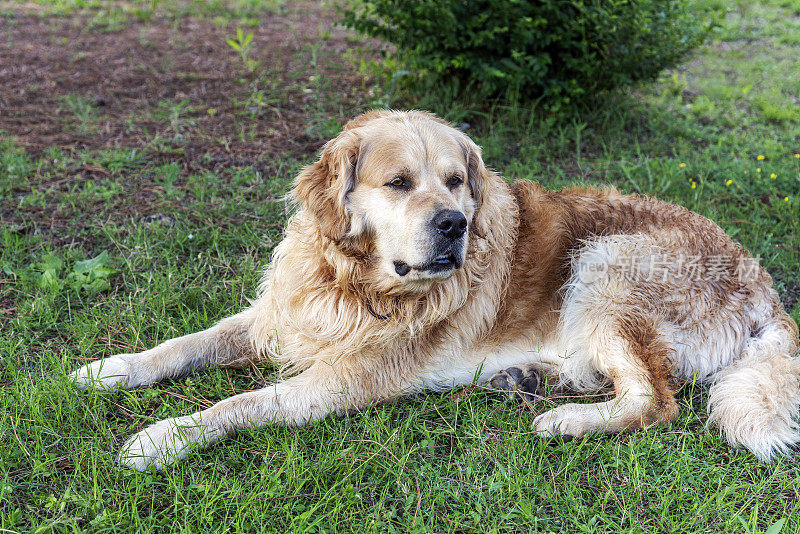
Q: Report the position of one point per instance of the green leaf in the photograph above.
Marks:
(776, 527)
(91, 264)
(49, 280)
(90, 275)
(48, 277)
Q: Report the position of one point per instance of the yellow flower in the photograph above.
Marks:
(758, 169)
(773, 175)
(759, 158)
(682, 165)
(729, 182)
(797, 156)
(694, 185)
(786, 199)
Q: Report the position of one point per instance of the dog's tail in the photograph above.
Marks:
(756, 400)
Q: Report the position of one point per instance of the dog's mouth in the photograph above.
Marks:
(439, 264)
(444, 262)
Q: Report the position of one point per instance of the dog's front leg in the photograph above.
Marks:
(313, 394)
(226, 343)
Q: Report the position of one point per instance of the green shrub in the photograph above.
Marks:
(563, 51)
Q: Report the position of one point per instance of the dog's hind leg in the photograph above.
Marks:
(630, 352)
(226, 343)
(611, 332)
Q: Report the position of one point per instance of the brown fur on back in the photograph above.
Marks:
(554, 224)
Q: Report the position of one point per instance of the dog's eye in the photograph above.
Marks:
(454, 181)
(399, 181)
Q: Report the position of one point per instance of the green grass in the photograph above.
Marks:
(185, 245)
(111, 16)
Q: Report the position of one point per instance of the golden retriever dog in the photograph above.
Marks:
(409, 266)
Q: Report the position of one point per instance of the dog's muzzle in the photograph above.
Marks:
(448, 228)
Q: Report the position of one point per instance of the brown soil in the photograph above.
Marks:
(130, 78)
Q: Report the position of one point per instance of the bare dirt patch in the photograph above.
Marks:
(177, 81)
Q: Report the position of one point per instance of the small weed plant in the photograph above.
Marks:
(243, 44)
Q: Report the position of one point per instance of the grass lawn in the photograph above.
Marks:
(142, 166)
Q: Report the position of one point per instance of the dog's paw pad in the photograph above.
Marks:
(516, 383)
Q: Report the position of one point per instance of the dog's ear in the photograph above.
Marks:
(322, 187)
(477, 180)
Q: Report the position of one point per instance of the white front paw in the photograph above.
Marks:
(161, 444)
(564, 420)
(107, 374)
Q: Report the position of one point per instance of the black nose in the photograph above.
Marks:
(450, 223)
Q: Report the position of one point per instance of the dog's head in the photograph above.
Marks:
(407, 183)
